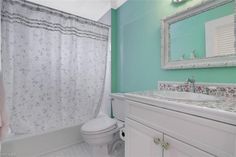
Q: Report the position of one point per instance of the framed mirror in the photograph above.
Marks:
(200, 37)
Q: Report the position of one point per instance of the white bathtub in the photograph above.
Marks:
(36, 145)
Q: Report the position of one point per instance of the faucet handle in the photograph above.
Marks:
(191, 80)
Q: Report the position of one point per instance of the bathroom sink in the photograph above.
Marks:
(188, 96)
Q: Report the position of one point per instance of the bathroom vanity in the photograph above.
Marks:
(164, 127)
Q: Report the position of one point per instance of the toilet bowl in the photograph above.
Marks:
(99, 132)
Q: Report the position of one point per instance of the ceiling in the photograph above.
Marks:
(91, 9)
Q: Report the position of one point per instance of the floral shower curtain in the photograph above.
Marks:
(54, 66)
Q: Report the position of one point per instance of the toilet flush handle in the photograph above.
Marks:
(157, 140)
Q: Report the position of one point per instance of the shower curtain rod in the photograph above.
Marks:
(32, 5)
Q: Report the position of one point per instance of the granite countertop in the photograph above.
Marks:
(224, 104)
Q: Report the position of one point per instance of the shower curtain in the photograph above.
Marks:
(54, 67)
(3, 115)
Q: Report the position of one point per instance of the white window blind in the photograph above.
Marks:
(220, 36)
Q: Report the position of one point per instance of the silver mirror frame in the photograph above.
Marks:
(219, 61)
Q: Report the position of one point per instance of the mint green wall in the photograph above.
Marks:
(188, 35)
(114, 50)
(138, 48)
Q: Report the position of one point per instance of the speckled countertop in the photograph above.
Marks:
(224, 104)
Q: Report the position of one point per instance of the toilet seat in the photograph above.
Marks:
(99, 125)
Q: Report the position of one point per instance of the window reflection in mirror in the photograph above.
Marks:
(208, 34)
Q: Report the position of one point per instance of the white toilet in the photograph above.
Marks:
(100, 132)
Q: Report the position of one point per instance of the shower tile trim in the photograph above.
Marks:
(215, 89)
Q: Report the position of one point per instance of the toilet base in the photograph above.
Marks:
(100, 151)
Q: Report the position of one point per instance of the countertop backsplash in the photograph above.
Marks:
(215, 89)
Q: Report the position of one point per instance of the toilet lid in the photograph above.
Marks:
(100, 124)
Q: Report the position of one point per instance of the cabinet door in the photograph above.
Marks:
(141, 141)
(177, 148)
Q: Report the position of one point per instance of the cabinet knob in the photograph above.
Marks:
(165, 145)
(157, 141)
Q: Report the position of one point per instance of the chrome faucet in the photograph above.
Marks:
(192, 81)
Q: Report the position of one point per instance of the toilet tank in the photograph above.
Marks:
(118, 106)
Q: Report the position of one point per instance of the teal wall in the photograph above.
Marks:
(185, 38)
(137, 48)
(114, 50)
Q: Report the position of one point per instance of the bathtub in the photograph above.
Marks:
(36, 145)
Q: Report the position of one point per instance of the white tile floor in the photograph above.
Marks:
(78, 150)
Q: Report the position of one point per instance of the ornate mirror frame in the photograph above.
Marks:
(219, 61)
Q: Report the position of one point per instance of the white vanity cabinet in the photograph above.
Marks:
(154, 131)
(142, 141)
(181, 149)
